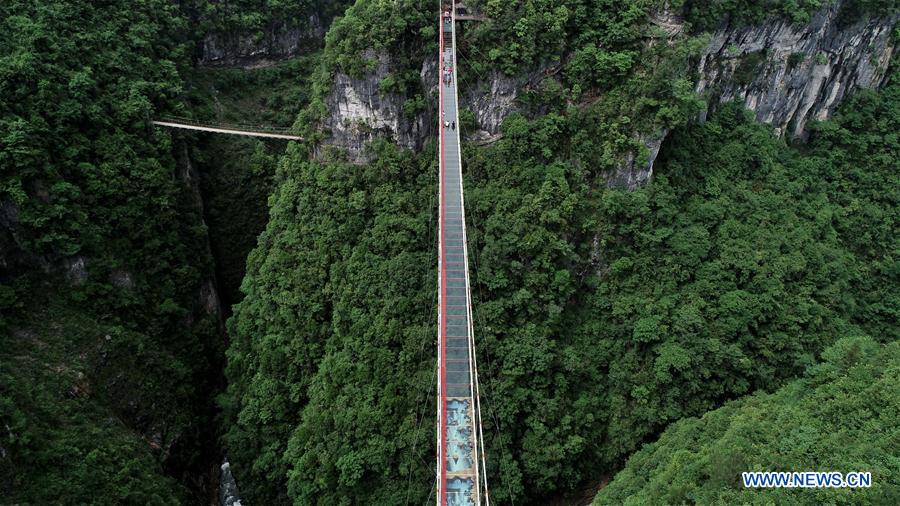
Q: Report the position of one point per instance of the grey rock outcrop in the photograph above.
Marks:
(669, 20)
(636, 169)
(75, 269)
(789, 74)
(359, 111)
(278, 41)
(228, 489)
(492, 99)
(121, 278)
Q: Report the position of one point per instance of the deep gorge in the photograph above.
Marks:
(675, 222)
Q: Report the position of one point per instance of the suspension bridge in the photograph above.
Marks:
(461, 476)
(223, 128)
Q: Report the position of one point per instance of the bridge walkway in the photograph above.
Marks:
(460, 445)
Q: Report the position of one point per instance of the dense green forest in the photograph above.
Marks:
(256, 18)
(602, 316)
(842, 415)
(112, 343)
(93, 363)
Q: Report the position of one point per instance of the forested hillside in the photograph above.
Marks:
(110, 324)
(106, 351)
(601, 315)
(745, 297)
(840, 416)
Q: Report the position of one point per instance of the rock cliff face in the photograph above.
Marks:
(785, 73)
(633, 171)
(788, 74)
(493, 99)
(359, 111)
(278, 41)
(491, 102)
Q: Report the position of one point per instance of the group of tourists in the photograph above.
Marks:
(447, 66)
(448, 70)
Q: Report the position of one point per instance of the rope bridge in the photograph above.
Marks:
(225, 128)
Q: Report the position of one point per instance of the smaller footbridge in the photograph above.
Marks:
(222, 128)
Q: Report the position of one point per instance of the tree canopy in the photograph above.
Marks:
(601, 315)
(840, 416)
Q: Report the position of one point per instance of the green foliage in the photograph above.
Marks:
(412, 107)
(595, 67)
(96, 192)
(315, 408)
(256, 18)
(71, 129)
(601, 315)
(370, 29)
(749, 65)
(85, 175)
(795, 59)
(710, 15)
(519, 34)
(853, 11)
(70, 388)
(841, 416)
(466, 120)
(271, 95)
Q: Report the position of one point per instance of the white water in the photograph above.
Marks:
(228, 491)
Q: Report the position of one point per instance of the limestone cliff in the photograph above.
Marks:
(279, 40)
(491, 100)
(787, 74)
(358, 109)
